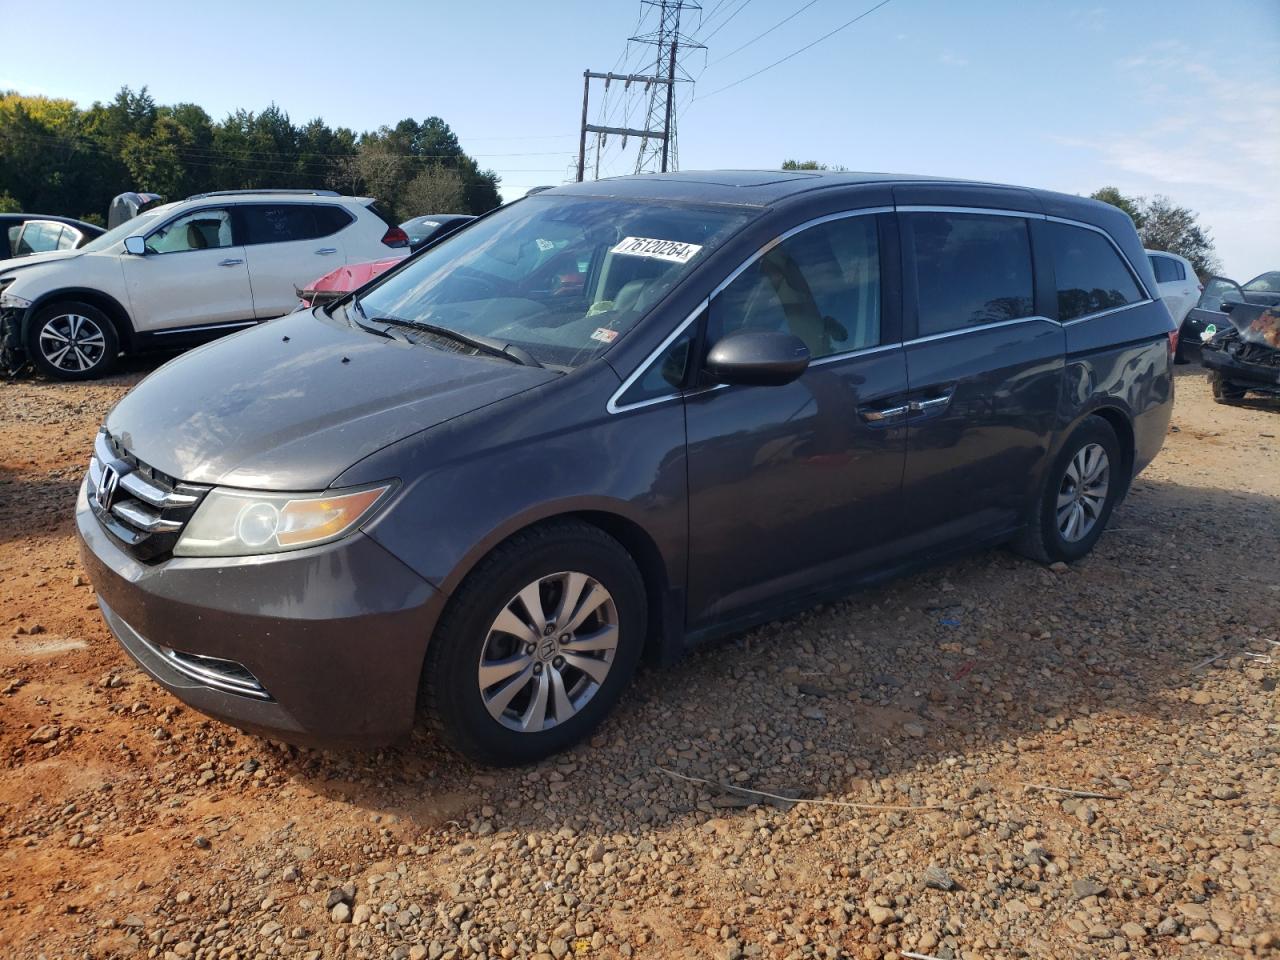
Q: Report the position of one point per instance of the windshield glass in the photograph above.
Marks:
(561, 277)
(126, 229)
(1267, 283)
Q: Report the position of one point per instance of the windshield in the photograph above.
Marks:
(1266, 283)
(126, 229)
(560, 277)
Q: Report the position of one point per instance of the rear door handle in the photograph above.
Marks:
(932, 405)
(230, 262)
(325, 251)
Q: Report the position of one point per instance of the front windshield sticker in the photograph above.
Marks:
(671, 250)
(605, 335)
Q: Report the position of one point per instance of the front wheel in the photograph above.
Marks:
(536, 646)
(1079, 494)
(72, 341)
(1224, 391)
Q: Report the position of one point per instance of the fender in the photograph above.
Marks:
(109, 304)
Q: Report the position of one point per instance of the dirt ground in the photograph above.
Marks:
(956, 707)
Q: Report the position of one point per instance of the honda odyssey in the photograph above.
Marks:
(609, 421)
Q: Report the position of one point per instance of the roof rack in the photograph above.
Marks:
(237, 193)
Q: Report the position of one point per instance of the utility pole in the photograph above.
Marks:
(627, 78)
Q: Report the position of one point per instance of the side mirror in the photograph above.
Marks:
(761, 358)
(1227, 306)
(135, 245)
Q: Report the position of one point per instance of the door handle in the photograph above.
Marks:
(885, 414)
(325, 251)
(930, 405)
(230, 262)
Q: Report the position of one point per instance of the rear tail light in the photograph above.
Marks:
(1173, 343)
(395, 237)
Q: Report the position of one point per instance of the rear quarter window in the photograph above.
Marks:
(1167, 269)
(331, 218)
(1091, 274)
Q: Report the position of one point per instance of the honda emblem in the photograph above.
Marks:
(106, 491)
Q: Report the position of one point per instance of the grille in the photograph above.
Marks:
(138, 505)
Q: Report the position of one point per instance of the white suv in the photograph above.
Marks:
(182, 273)
(1176, 278)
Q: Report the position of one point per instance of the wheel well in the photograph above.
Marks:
(1123, 429)
(661, 643)
(664, 638)
(108, 305)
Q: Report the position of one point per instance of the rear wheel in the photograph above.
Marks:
(536, 646)
(72, 341)
(1079, 494)
(1224, 391)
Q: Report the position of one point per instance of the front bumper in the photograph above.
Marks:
(332, 638)
(1255, 376)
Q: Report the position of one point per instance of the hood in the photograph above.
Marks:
(291, 404)
(35, 259)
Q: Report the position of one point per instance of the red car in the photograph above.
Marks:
(338, 283)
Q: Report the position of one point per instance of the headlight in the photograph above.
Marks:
(7, 299)
(237, 523)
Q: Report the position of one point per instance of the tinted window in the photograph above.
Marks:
(969, 269)
(278, 223)
(1091, 275)
(822, 285)
(665, 376)
(1167, 269)
(330, 219)
(200, 230)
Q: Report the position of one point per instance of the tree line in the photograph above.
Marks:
(56, 158)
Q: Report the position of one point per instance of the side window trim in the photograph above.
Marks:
(1137, 278)
(613, 406)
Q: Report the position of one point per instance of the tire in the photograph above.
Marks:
(1224, 391)
(468, 713)
(1044, 538)
(92, 355)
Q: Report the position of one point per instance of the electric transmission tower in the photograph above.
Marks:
(668, 41)
(657, 135)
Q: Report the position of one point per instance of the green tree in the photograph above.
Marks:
(57, 158)
(1130, 205)
(1163, 225)
(812, 165)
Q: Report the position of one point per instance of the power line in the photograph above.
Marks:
(759, 36)
(796, 53)
(724, 23)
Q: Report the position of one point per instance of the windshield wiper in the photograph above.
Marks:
(486, 345)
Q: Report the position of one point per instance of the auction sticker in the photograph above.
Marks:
(671, 250)
(605, 335)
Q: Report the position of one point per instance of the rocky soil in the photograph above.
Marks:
(922, 741)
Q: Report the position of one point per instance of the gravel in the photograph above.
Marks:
(1140, 675)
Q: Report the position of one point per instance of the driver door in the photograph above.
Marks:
(794, 488)
(192, 275)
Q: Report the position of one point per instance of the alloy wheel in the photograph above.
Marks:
(1083, 492)
(72, 342)
(548, 651)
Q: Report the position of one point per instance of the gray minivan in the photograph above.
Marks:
(612, 420)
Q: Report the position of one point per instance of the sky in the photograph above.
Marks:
(1177, 98)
